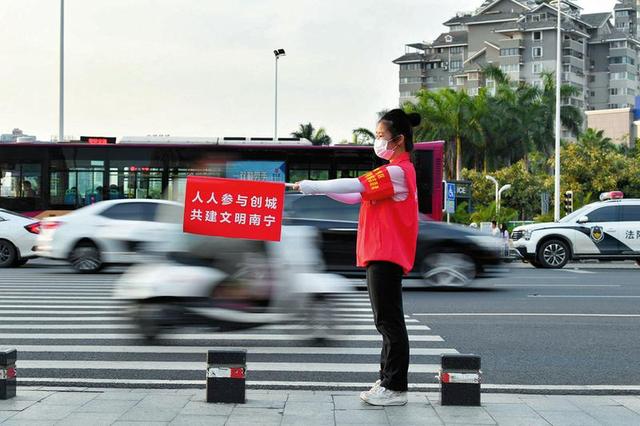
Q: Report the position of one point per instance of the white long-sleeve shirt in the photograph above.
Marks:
(348, 190)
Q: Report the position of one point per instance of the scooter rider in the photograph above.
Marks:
(386, 246)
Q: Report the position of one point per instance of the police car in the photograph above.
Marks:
(605, 230)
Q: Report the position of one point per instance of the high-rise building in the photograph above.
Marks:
(599, 58)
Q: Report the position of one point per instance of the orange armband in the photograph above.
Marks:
(377, 184)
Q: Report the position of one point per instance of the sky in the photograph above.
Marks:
(206, 68)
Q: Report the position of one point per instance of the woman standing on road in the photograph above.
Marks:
(387, 235)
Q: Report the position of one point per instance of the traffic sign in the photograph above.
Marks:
(451, 191)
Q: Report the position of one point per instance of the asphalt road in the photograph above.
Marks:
(577, 326)
(534, 329)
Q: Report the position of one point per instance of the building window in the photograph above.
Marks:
(621, 60)
(618, 44)
(537, 68)
(537, 52)
(510, 67)
(455, 65)
(592, 93)
(448, 39)
(613, 92)
(456, 50)
(406, 94)
(592, 79)
(474, 76)
(512, 51)
(460, 81)
(537, 35)
(621, 13)
(473, 91)
(622, 76)
(613, 106)
(451, 80)
(410, 80)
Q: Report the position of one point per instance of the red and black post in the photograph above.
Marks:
(460, 378)
(226, 373)
(8, 358)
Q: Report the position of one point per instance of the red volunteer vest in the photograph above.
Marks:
(388, 229)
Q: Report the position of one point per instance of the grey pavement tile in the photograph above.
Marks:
(499, 398)
(125, 396)
(475, 415)
(569, 418)
(514, 410)
(361, 417)
(250, 415)
(309, 396)
(591, 400)
(4, 415)
(119, 423)
(191, 420)
(413, 414)
(549, 403)
(192, 391)
(613, 415)
(12, 422)
(352, 402)
(263, 403)
(63, 388)
(69, 398)
(198, 408)
(93, 419)
(520, 421)
(31, 395)
(628, 401)
(149, 414)
(44, 412)
(164, 401)
(119, 406)
(316, 420)
(15, 404)
(297, 408)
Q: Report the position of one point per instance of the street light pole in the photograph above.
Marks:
(61, 106)
(504, 188)
(495, 182)
(277, 53)
(556, 187)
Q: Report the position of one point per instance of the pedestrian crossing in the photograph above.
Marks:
(69, 331)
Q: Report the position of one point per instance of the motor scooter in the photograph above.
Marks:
(226, 284)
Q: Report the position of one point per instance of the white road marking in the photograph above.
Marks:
(4, 327)
(581, 296)
(203, 349)
(556, 285)
(578, 271)
(207, 336)
(111, 306)
(123, 317)
(200, 366)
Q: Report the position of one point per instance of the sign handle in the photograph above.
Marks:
(289, 185)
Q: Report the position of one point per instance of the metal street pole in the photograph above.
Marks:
(61, 106)
(275, 126)
(504, 188)
(495, 182)
(556, 187)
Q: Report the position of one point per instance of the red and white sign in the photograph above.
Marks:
(226, 373)
(233, 208)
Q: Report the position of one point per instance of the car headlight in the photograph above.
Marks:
(527, 235)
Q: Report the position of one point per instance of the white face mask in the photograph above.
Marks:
(381, 150)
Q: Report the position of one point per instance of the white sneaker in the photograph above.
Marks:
(385, 397)
(365, 394)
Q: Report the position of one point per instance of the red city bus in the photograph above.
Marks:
(66, 176)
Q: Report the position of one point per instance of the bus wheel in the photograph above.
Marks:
(8, 254)
(85, 258)
(553, 254)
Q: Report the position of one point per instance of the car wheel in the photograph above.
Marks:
(85, 258)
(638, 262)
(535, 264)
(21, 262)
(8, 254)
(147, 317)
(553, 254)
(448, 269)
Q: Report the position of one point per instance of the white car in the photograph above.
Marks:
(17, 238)
(105, 233)
(606, 230)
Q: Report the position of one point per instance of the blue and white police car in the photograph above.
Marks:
(605, 230)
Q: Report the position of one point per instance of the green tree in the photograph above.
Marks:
(363, 136)
(317, 137)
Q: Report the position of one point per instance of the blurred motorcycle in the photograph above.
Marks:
(228, 284)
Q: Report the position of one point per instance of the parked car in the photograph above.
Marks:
(447, 255)
(17, 238)
(105, 233)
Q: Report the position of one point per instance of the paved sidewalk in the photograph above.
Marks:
(95, 407)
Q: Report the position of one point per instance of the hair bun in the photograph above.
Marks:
(414, 118)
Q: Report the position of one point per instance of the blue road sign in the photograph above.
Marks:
(451, 191)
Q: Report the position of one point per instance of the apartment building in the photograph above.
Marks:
(599, 58)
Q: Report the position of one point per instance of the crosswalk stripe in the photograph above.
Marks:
(259, 350)
(133, 326)
(325, 367)
(69, 306)
(12, 319)
(208, 336)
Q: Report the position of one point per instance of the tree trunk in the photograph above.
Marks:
(486, 160)
(458, 157)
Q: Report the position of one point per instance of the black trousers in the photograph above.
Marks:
(384, 282)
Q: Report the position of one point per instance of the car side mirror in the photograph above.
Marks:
(583, 219)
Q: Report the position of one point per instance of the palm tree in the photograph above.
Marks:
(363, 136)
(595, 138)
(445, 115)
(317, 137)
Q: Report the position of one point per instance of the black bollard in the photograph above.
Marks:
(460, 378)
(8, 358)
(226, 371)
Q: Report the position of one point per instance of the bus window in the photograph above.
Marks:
(19, 180)
(135, 182)
(76, 186)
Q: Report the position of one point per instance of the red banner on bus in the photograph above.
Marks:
(233, 208)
